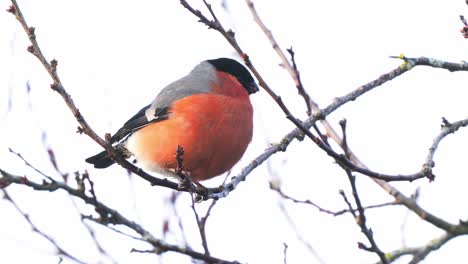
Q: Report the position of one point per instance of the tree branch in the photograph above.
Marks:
(322, 209)
(290, 67)
(419, 253)
(320, 114)
(60, 250)
(360, 218)
(108, 216)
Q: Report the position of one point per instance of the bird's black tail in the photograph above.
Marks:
(100, 160)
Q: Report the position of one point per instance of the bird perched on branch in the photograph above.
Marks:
(208, 113)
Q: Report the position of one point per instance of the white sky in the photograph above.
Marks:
(114, 56)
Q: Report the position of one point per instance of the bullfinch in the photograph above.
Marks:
(208, 113)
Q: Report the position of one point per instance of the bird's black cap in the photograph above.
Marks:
(237, 70)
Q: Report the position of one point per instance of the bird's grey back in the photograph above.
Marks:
(197, 81)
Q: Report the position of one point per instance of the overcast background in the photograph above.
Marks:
(114, 56)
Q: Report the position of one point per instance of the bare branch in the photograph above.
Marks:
(285, 251)
(361, 221)
(51, 68)
(361, 217)
(299, 85)
(447, 128)
(434, 63)
(299, 235)
(172, 202)
(201, 228)
(60, 250)
(291, 68)
(419, 253)
(108, 216)
(85, 175)
(29, 164)
(320, 208)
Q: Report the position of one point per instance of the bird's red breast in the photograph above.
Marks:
(213, 128)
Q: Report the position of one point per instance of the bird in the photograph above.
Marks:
(208, 113)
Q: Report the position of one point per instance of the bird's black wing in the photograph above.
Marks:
(140, 120)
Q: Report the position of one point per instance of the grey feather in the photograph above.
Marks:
(196, 82)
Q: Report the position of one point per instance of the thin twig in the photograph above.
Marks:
(172, 202)
(201, 229)
(51, 68)
(29, 164)
(447, 129)
(361, 221)
(201, 221)
(285, 251)
(419, 253)
(299, 234)
(323, 210)
(291, 68)
(60, 250)
(299, 85)
(98, 220)
(405, 219)
(361, 216)
(90, 231)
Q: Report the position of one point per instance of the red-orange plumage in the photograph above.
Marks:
(214, 129)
